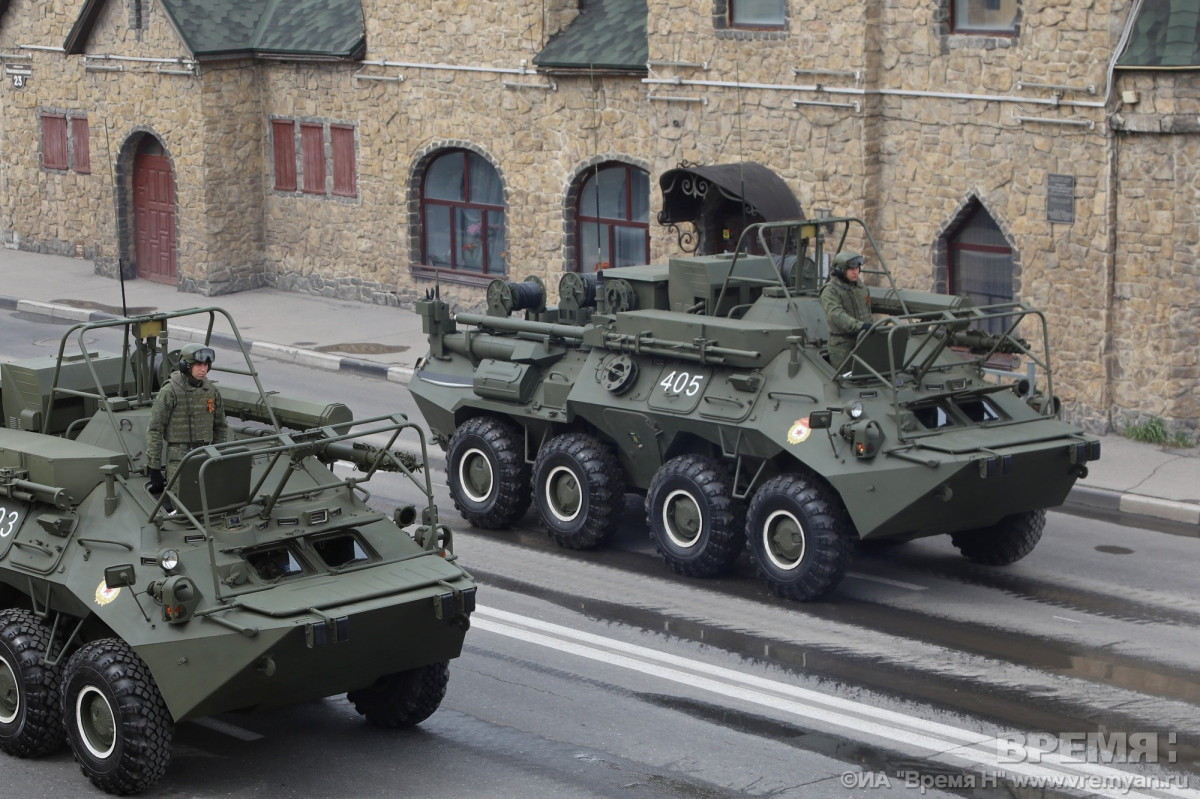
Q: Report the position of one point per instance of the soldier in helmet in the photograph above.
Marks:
(187, 413)
(847, 305)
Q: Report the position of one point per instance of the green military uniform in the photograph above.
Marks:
(187, 413)
(847, 307)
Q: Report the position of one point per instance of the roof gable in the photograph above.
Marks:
(293, 28)
(1165, 35)
(607, 34)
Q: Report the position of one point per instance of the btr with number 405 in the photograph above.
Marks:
(258, 577)
(705, 384)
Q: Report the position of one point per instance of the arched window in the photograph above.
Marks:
(980, 262)
(462, 214)
(613, 221)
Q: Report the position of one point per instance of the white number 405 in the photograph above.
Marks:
(681, 383)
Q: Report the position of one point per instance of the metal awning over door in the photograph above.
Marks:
(721, 200)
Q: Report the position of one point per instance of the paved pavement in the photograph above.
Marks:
(1162, 483)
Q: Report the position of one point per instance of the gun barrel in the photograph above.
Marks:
(521, 326)
(364, 456)
(27, 490)
(980, 340)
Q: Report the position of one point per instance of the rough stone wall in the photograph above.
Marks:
(342, 246)
(34, 200)
(1156, 281)
(229, 188)
(122, 101)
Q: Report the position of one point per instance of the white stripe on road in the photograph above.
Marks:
(225, 728)
(887, 581)
(974, 749)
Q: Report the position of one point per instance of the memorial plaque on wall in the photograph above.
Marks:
(1060, 198)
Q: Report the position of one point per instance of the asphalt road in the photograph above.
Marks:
(603, 674)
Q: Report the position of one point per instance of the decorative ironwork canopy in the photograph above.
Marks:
(721, 200)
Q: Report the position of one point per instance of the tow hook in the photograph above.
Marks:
(454, 605)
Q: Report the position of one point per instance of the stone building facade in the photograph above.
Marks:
(1086, 176)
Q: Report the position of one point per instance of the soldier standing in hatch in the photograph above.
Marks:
(187, 413)
(847, 306)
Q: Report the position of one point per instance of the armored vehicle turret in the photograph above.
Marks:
(258, 577)
(705, 384)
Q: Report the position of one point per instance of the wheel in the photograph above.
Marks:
(1005, 542)
(800, 536)
(487, 473)
(403, 699)
(117, 723)
(578, 489)
(694, 521)
(30, 718)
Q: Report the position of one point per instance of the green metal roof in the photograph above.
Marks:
(1166, 35)
(607, 34)
(295, 28)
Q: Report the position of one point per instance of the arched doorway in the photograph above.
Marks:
(154, 213)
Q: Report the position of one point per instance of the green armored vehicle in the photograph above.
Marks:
(258, 577)
(704, 383)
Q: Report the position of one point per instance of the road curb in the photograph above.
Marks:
(1185, 514)
(299, 355)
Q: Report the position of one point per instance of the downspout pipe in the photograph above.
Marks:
(1108, 355)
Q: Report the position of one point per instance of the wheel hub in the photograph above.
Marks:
(564, 497)
(97, 725)
(682, 519)
(10, 693)
(475, 475)
(783, 540)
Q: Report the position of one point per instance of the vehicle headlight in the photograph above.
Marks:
(168, 559)
(855, 410)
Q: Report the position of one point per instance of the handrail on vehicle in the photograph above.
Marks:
(143, 365)
(296, 446)
(933, 333)
(814, 229)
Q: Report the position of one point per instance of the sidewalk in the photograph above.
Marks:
(379, 341)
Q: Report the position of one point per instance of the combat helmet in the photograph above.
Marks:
(846, 260)
(191, 354)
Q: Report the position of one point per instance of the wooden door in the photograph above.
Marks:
(154, 218)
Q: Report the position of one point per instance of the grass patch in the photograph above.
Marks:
(1154, 431)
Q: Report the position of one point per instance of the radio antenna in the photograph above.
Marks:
(596, 169)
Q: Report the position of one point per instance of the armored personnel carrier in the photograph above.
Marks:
(258, 577)
(705, 384)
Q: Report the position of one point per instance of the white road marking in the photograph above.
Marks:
(225, 728)
(974, 749)
(887, 581)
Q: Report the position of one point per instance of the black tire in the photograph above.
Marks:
(403, 699)
(117, 723)
(487, 473)
(694, 523)
(578, 489)
(801, 537)
(1005, 542)
(30, 715)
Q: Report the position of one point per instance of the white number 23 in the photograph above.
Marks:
(8, 521)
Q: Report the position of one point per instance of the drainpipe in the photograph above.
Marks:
(1112, 165)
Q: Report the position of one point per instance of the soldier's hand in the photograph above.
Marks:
(157, 483)
(866, 326)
